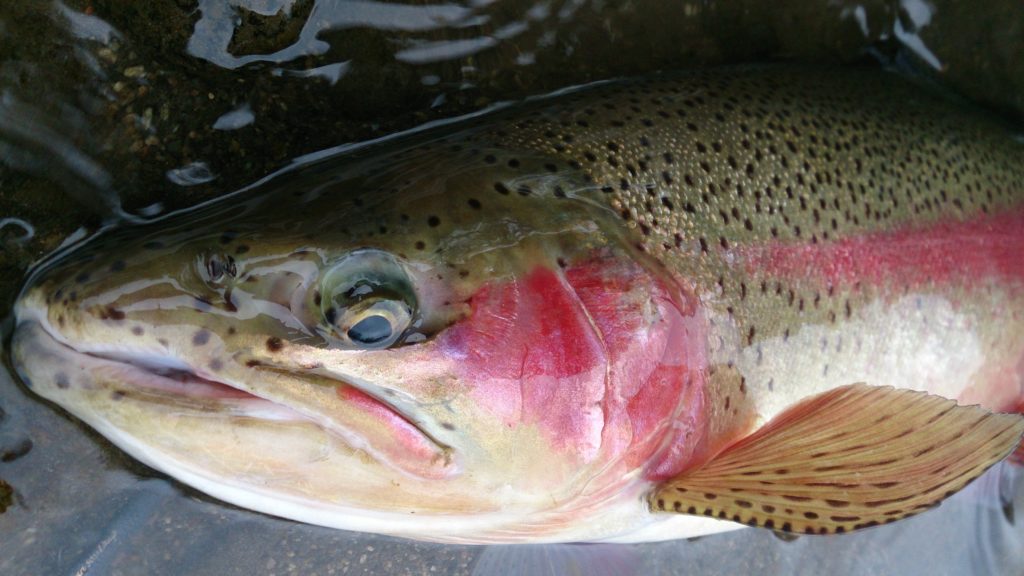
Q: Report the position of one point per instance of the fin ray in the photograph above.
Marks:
(853, 457)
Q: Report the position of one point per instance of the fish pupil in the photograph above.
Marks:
(370, 330)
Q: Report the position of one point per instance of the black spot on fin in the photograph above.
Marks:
(853, 457)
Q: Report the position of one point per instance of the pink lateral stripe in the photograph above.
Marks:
(981, 247)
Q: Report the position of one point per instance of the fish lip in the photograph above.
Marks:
(32, 311)
(317, 368)
(192, 386)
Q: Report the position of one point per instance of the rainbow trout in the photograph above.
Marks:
(641, 310)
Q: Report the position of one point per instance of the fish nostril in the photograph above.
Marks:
(215, 269)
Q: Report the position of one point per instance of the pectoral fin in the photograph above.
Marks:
(853, 457)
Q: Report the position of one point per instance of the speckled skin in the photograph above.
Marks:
(702, 165)
(682, 195)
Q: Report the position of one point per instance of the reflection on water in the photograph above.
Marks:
(191, 174)
(22, 231)
(34, 141)
(154, 103)
(216, 29)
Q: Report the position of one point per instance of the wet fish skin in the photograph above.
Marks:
(701, 213)
(707, 171)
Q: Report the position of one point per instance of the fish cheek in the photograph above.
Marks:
(598, 357)
(655, 338)
(531, 358)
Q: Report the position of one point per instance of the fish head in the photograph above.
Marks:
(393, 346)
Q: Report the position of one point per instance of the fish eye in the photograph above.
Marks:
(366, 301)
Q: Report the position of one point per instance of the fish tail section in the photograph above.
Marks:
(850, 458)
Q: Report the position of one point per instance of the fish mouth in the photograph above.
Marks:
(54, 366)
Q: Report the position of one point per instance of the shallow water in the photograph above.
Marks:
(157, 106)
